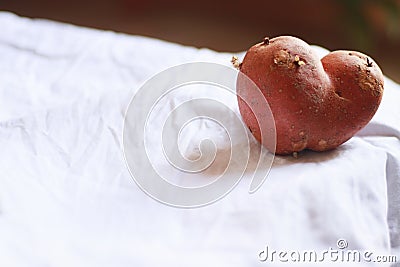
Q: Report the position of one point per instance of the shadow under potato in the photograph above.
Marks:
(308, 156)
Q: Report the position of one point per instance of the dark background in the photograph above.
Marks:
(369, 26)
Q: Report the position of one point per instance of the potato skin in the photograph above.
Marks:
(316, 104)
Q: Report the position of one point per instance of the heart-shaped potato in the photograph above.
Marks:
(316, 104)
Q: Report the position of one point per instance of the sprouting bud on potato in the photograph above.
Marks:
(316, 104)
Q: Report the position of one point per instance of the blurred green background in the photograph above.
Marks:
(369, 26)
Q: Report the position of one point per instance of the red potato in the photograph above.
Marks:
(316, 104)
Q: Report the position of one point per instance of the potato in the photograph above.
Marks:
(316, 104)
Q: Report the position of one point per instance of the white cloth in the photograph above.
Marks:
(67, 198)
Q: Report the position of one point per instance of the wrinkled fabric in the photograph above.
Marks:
(67, 197)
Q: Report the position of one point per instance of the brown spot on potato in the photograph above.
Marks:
(299, 145)
(298, 61)
(322, 144)
(369, 83)
(282, 58)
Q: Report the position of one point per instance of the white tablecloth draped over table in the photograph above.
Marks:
(67, 198)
